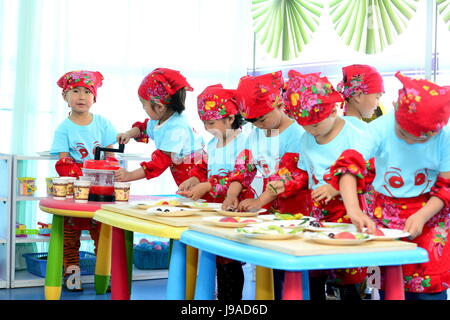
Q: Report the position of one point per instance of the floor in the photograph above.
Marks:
(141, 290)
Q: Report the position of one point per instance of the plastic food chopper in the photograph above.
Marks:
(101, 175)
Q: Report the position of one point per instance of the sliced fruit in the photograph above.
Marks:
(379, 233)
(344, 235)
(228, 219)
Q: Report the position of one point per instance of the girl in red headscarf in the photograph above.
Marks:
(178, 147)
(229, 173)
(312, 102)
(74, 141)
(412, 182)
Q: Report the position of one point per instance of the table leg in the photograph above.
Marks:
(129, 249)
(305, 284)
(191, 271)
(264, 284)
(119, 269)
(206, 278)
(293, 286)
(393, 276)
(103, 263)
(176, 283)
(53, 275)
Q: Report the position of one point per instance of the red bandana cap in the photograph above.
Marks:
(360, 78)
(215, 103)
(423, 107)
(161, 84)
(310, 98)
(88, 79)
(257, 96)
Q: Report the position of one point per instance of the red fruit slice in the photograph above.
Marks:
(248, 220)
(379, 233)
(165, 202)
(344, 235)
(228, 219)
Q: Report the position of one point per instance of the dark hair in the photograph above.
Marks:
(238, 121)
(252, 120)
(177, 102)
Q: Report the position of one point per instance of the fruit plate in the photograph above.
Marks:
(331, 227)
(390, 234)
(205, 206)
(165, 211)
(240, 221)
(266, 233)
(323, 237)
(240, 214)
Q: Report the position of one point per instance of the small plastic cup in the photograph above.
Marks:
(59, 188)
(27, 186)
(49, 182)
(122, 191)
(81, 190)
(70, 181)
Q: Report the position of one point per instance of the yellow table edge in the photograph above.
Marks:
(68, 213)
(134, 224)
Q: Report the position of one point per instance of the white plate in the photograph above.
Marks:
(322, 237)
(333, 227)
(258, 232)
(216, 221)
(265, 236)
(391, 234)
(240, 214)
(166, 211)
(284, 223)
(207, 206)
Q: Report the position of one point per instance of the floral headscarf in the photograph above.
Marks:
(360, 78)
(215, 103)
(82, 78)
(161, 84)
(309, 97)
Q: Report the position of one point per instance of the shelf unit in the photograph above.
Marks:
(22, 278)
(6, 161)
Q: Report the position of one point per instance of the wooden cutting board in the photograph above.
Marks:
(299, 247)
(185, 221)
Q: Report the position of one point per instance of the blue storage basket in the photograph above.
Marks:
(148, 259)
(37, 263)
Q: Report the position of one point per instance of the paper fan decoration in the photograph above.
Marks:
(370, 26)
(444, 10)
(284, 27)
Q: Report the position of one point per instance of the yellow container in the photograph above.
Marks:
(49, 182)
(27, 186)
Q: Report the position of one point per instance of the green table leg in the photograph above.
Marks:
(129, 249)
(53, 275)
(103, 263)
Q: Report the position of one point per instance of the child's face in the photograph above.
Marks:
(409, 138)
(367, 103)
(269, 121)
(322, 128)
(155, 111)
(218, 128)
(79, 99)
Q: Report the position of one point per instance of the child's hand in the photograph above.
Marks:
(276, 187)
(249, 205)
(361, 221)
(414, 225)
(123, 138)
(198, 190)
(186, 185)
(325, 192)
(230, 203)
(122, 175)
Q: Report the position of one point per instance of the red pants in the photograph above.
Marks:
(429, 277)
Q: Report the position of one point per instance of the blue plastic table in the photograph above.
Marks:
(227, 243)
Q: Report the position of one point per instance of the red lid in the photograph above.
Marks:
(101, 164)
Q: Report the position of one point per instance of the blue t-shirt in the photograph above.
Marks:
(80, 141)
(175, 135)
(405, 170)
(317, 158)
(267, 151)
(356, 122)
(222, 160)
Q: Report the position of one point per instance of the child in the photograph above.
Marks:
(412, 196)
(162, 94)
(75, 140)
(229, 173)
(312, 100)
(274, 149)
(362, 88)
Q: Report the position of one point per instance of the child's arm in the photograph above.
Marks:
(255, 204)
(440, 198)
(347, 186)
(231, 201)
(325, 192)
(66, 166)
(125, 137)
